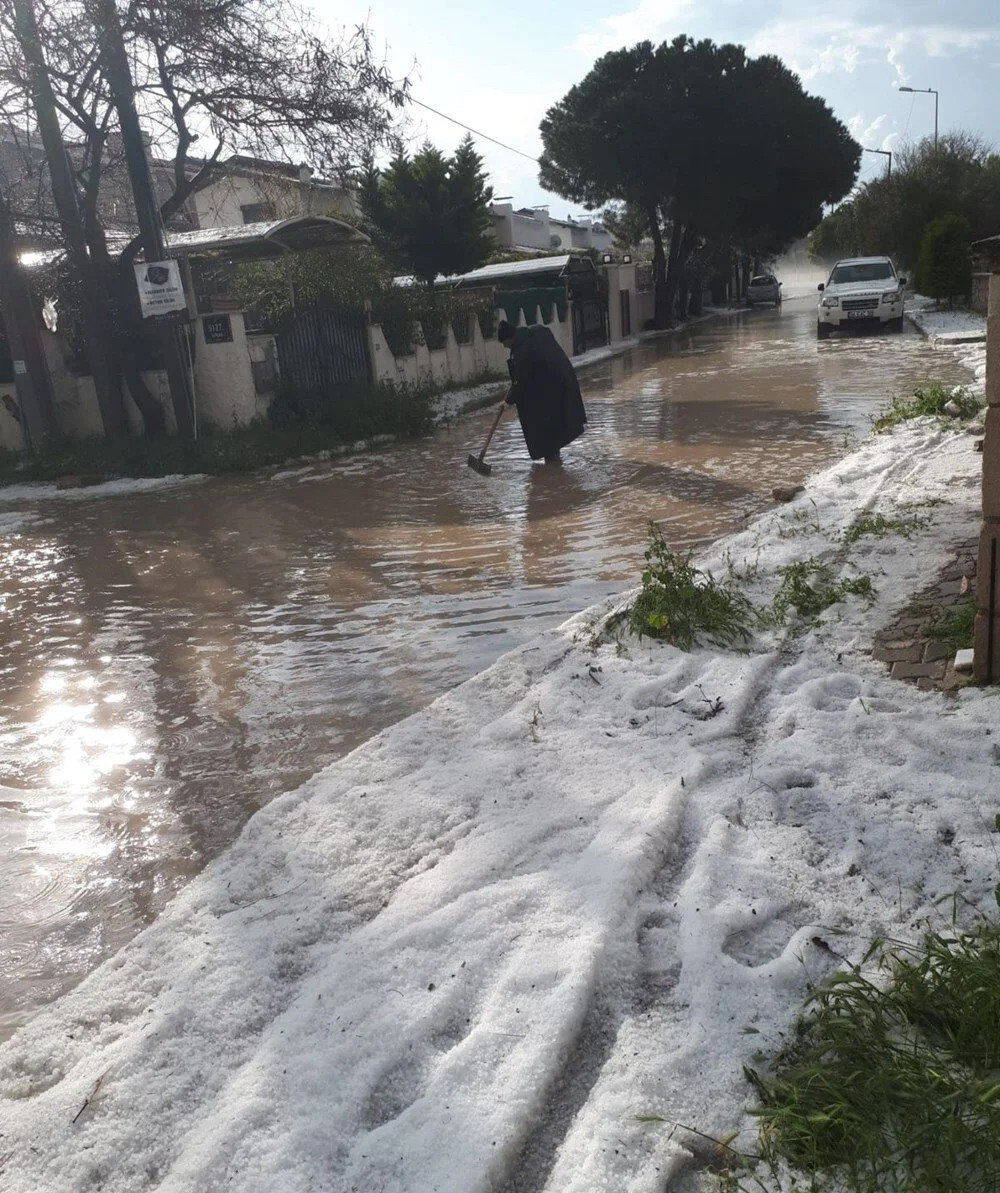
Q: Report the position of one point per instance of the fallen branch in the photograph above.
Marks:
(92, 1095)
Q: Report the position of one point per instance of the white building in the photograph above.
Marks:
(247, 190)
(532, 229)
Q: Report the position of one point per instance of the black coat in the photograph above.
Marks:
(545, 391)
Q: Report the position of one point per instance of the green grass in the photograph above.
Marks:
(297, 426)
(808, 587)
(892, 1084)
(955, 626)
(879, 526)
(682, 605)
(927, 400)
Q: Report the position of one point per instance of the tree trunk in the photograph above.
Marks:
(673, 267)
(720, 289)
(683, 298)
(697, 297)
(153, 417)
(688, 284)
(34, 386)
(661, 307)
(94, 313)
(147, 211)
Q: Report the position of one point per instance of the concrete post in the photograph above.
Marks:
(986, 664)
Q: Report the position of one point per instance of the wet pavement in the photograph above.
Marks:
(171, 660)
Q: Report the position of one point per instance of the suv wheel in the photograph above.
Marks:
(822, 331)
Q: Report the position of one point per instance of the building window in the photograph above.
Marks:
(256, 213)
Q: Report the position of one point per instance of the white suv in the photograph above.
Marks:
(861, 291)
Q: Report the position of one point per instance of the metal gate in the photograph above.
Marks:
(626, 309)
(590, 324)
(320, 348)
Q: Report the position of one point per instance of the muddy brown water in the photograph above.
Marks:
(172, 660)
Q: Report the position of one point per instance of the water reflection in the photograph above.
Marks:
(171, 660)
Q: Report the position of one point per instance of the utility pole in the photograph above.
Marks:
(146, 206)
(927, 91)
(94, 311)
(885, 153)
(31, 372)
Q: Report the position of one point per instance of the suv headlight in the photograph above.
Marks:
(891, 296)
(832, 301)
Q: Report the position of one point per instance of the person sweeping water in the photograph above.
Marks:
(544, 389)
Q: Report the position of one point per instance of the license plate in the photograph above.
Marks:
(860, 314)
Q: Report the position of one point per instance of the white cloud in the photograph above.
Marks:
(814, 47)
(894, 58)
(817, 46)
(869, 133)
(943, 41)
(652, 20)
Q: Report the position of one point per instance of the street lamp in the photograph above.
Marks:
(885, 153)
(927, 91)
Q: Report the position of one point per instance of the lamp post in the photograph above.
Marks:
(927, 91)
(885, 153)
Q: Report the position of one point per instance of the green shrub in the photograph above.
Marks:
(298, 425)
(357, 410)
(944, 269)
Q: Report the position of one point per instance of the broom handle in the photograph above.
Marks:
(496, 423)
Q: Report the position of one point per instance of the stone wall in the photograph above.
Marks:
(225, 391)
(979, 300)
(225, 395)
(622, 280)
(986, 666)
(454, 363)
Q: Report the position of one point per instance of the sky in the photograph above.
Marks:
(499, 68)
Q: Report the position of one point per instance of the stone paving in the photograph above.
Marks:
(909, 646)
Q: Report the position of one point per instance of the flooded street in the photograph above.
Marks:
(172, 660)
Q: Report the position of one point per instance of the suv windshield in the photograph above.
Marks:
(870, 271)
(762, 280)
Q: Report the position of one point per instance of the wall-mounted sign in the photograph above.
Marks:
(160, 288)
(218, 329)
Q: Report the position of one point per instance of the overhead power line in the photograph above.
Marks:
(475, 132)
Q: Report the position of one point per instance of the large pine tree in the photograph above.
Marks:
(710, 145)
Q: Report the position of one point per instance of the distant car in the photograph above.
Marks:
(861, 291)
(764, 288)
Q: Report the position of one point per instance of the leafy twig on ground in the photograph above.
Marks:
(92, 1095)
(681, 604)
(879, 525)
(808, 587)
(928, 400)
